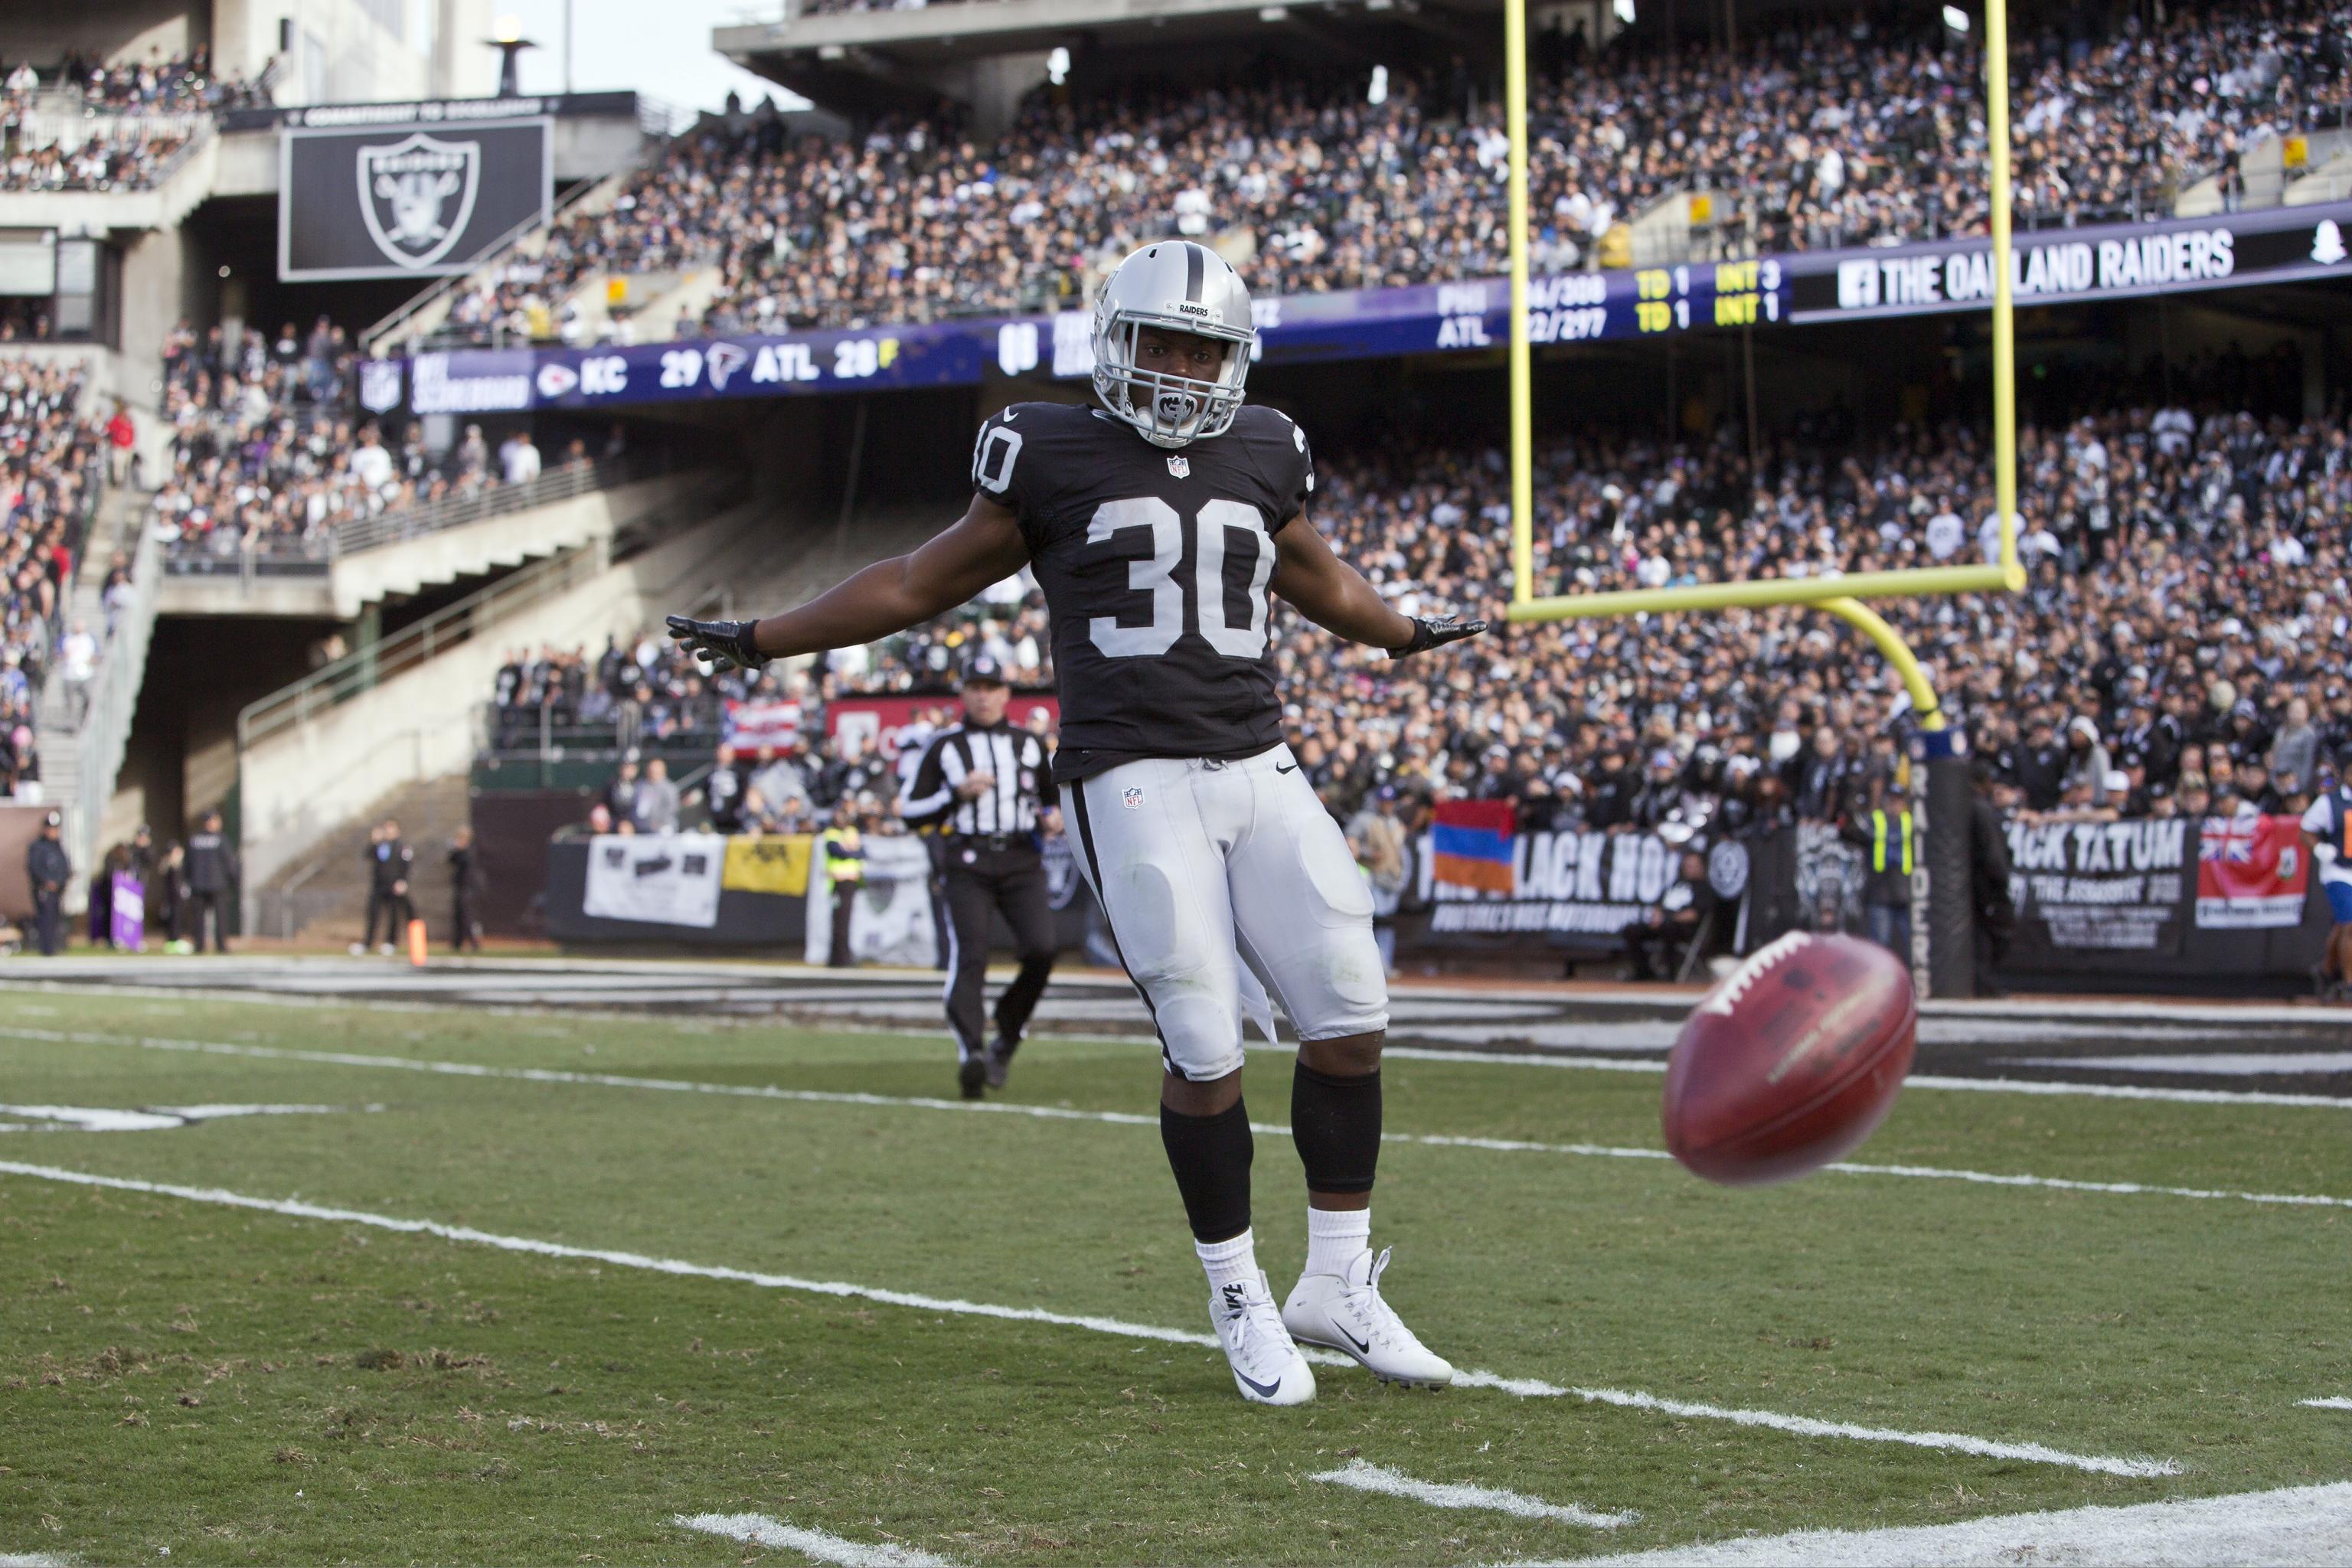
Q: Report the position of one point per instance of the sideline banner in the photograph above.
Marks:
(750, 725)
(768, 865)
(2106, 886)
(878, 721)
(1565, 890)
(669, 879)
(2252, 873)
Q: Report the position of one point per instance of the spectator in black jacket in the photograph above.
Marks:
(1988, 874)
(48, 869)
(212, 881)
(466, 889)
(390, 860)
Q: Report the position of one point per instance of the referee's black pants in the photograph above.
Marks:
(1010, 880)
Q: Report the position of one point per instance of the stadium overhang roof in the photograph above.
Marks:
(873, 60)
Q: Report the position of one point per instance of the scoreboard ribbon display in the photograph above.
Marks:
(2278, 245)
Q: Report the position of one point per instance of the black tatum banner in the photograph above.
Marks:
(406, 201)
(2100, 886)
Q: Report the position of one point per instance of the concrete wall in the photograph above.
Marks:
(302, 783)
(46, 32)
(341, 55)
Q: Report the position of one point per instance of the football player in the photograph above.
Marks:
(1157, 525)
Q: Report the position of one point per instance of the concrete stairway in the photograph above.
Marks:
(325, 896)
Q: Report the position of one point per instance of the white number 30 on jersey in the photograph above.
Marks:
(1214, 527)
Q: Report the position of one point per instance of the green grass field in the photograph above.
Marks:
(242, 1386)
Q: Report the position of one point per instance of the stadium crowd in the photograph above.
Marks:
(2184, 645)
(266, 457)
(51, 469)
(125, 123)
(1835, 135)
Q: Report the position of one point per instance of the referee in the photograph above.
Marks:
(979, 791)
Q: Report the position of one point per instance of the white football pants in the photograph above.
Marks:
(1204, 866)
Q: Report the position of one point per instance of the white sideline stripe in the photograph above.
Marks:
(1401, 1053)
(1367, 1477)
(2222, 1064)
(2326, 1404)
(1917, 1080)
(1524, 1388)
(1808, 1427)
(760, 1530)
(2296, 1526)
(1128, 1119)
(32, 1559)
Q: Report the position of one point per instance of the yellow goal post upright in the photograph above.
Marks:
(1942, 941)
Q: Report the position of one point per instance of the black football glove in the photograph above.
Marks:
(1429, 632)
(727, 644)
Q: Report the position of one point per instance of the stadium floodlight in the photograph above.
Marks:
(1956, 20)
(1272, 12)
(1624, 9)
(1057, 66)
(1377, 93)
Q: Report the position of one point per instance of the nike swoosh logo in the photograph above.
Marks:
(1364, 1347)
(1291, 769)
(1264, 1390)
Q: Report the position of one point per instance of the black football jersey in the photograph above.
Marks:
(1154, 564)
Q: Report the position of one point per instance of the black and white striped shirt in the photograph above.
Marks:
(1014, 758)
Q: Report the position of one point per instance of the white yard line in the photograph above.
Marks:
(1367, 1477)
(1917, 1080)
(760, 1530)
(1807, 1426)
(1121, 1118)
(2299, 1526)
(2330, 1403)
(1524, 1388)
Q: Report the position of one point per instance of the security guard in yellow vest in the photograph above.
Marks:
(1888, 837)
(841, 856)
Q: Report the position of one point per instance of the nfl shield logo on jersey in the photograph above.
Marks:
(1181, 467)
(1134, 796)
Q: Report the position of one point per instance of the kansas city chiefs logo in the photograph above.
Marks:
(1181, 467)
(417, 195)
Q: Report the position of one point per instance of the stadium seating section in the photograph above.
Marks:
(1836, 136)
(50, 457)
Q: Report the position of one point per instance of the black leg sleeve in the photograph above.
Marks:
(1211, 1156)
(970, 900)
(1021, 894)
(1336, 1123)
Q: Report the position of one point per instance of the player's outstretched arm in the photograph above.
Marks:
(983, 546)
(1335, 597)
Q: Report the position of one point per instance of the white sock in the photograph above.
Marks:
(1335, 1238)
(1230, 1262)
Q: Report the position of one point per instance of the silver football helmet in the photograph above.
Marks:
(1180, 287)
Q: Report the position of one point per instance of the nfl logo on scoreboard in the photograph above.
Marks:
(1181, 467)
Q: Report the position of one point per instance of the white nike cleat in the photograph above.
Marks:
(1345, 1312)
(1267, 1367)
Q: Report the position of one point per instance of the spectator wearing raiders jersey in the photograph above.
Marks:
(977, 789)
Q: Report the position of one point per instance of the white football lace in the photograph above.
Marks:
(1375, 1317)
(1250, 1313)
(1747, 974)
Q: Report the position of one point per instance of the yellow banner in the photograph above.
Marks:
(778, 864)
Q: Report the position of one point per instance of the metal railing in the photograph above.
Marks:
(355, 674)
(317, 557)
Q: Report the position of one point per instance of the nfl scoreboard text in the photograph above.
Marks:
(2048, 267)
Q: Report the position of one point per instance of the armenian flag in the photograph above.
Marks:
(1470, 844)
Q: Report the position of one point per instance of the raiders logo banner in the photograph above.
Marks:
(405, 202)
